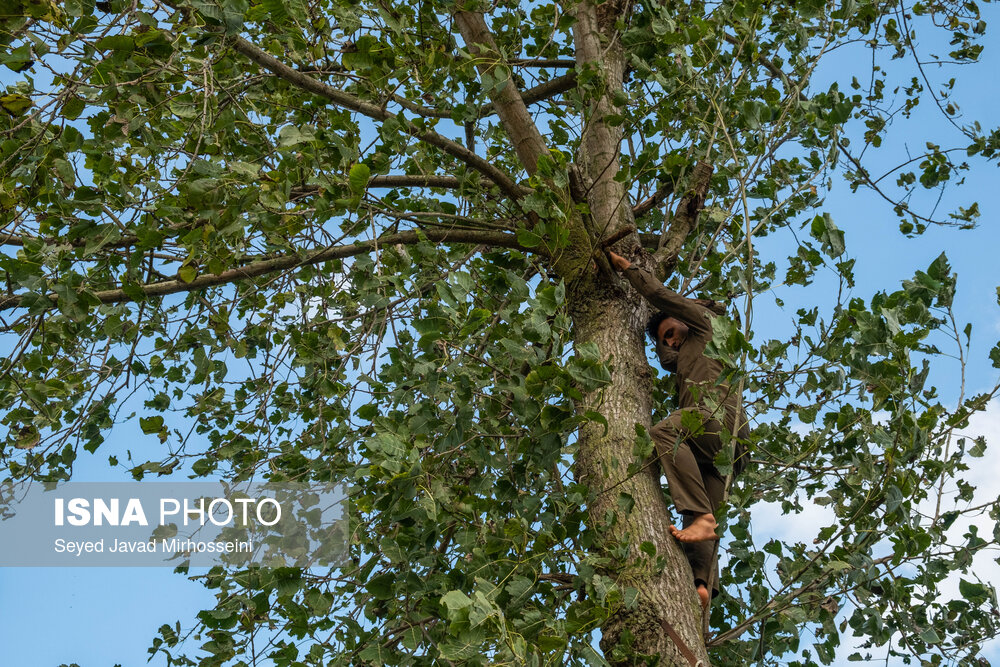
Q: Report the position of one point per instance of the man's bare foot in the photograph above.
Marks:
(701, 530)
(703, 595)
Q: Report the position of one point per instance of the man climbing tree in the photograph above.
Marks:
(689, 440)
(352, 239)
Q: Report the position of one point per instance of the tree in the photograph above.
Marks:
(360, 240)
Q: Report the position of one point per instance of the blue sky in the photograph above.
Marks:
(99, 617)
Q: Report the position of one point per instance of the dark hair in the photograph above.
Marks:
(653, 325)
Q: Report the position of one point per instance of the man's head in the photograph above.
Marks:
(667, 330)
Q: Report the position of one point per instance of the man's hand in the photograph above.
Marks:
(618, 261)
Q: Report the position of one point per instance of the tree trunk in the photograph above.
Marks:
(613, 318)
(604, 314)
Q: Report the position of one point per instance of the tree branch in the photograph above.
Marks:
(286, 262)
(654, 200)
(413, 181)
(683, 221)
(380, 181)
(541, 62)
(772, 68)
(507, 100)
(539, 93)
(390, 181)
(599, 48)
(21, 239)
(902, 205)
(550, 88)
(352, 103)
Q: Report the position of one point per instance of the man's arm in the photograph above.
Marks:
(661, 298)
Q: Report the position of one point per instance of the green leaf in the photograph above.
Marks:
(930, 636)
(590, 374)
(187, 273)
(244, 169)
(537, 382)
(381, 586)
(548, 299)
(457, 604)
(293, 135)
(73, 108)
(692, 421)
(151, 425)
(518, 589)
(482, 610)
(975, 593)
(466, 646)
(824, 231)
(15, 104)
(367, 411)
(359, 177)
(592, 415)
(121, 45)
(528, 238)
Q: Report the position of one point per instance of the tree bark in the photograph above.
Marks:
(612, 317)
(614, 321)
(348, 101)
(520, 126)
(289, 262)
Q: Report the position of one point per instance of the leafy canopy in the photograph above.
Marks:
(292, 238)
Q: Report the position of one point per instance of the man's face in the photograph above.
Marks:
(672, 333)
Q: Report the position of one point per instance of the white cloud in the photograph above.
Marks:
(984, 474)
(770, 521)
